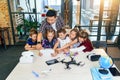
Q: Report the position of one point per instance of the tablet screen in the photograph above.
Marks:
(114, 71)
(53, 61)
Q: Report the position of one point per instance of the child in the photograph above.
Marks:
(62, 40)
(74, 33)
(50, 39)
(32, 40)
(83, 38)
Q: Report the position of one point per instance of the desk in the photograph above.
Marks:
(58, 71)
(3, 30)
(97, 19)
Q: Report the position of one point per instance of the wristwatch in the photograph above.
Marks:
(38, 42)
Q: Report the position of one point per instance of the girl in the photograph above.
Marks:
(74, 33)
(74, 40)
(83, 38)
(50, 39)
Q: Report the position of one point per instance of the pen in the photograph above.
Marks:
(36, 74)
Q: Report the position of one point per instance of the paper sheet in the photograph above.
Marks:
(47, 52)
(79, 49)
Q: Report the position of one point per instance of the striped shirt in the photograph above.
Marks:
(45, 25)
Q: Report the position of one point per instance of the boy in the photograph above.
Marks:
(32, 40)
(62, 40)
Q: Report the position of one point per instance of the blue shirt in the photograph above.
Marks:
(30, 42)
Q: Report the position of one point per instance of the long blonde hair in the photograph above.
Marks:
(77, 33)
(49, 31)
(83, 34)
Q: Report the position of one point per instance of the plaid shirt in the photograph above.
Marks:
(45, 25)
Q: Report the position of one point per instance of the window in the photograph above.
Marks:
(54, 2)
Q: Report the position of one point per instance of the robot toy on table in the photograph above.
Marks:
(72, 60)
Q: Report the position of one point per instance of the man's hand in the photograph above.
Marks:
(39, 38)
(39, 46)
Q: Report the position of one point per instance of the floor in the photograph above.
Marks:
(10, 57)
(114, 52)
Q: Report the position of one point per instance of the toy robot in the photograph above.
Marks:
(72, 61)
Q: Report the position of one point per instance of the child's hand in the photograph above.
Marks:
(39, 47)
(66, 50)
(54, 54)
(40, 54)
(29, 46)
(58, 50)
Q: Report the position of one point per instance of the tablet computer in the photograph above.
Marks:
(53, 61)
(114, 71)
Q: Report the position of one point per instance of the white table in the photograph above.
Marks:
(58, 71)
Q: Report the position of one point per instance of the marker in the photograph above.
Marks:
(36, 74)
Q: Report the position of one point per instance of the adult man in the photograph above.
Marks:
(52, 21)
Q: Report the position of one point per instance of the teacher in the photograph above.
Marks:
(52, 21)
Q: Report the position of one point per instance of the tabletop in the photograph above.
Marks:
(39, 70)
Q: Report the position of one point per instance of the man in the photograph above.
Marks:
(52, 21)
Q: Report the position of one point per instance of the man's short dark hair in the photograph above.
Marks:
(51, 13)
